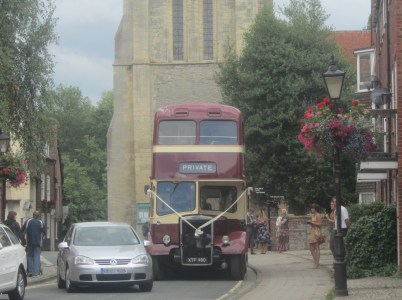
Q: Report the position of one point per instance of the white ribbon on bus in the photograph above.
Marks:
(198, 230)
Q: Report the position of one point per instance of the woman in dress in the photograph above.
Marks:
(263, 236)
(283, 238)
(316, 222)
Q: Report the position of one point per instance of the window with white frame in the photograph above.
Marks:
(42, 187)
(47, 187)
(366, 198)
(46, 150)
(365, 69)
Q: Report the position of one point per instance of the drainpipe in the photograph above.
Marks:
(390, 181)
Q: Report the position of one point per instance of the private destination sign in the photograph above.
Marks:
(197, 167)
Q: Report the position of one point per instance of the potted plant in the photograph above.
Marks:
(13, 168)
(326, 126)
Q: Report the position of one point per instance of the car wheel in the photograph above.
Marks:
(61, 284)
(19, 292)
(70, 288)
(146, 287)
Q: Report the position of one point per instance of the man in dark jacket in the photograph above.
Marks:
(35, 231)
(250, 229)
(12, 223)
(145, 229)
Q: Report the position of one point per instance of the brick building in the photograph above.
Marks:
(387, 45)
(379, 81)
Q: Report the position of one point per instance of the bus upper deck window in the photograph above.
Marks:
(218, 132)
(176, 132)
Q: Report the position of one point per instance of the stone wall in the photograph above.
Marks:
(299, 232)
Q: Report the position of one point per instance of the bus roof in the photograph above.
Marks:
(198, 111)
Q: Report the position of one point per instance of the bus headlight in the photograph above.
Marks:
(225, 240)
(166, 240)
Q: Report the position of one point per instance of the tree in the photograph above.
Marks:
(86, 202)
(72, 113)
(27, 30)
(272, 81)
(82, 130)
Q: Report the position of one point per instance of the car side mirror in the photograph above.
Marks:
(147, 243)
(63, 245)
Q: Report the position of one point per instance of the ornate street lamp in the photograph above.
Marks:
(333, 79)
(4, 142)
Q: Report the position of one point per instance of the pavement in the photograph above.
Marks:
(285, 276)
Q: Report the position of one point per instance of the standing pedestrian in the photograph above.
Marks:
(315, 233)
(145, 229)
(12, 223)
(345, 223)
(35, 231)
(263, 236)
(283, 238)
(278, 224)
(250, 229)
(331, 221)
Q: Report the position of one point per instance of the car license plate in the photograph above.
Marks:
(113, 271)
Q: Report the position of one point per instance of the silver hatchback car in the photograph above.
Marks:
(102, 253)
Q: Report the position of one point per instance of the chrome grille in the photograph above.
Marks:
(107, 262)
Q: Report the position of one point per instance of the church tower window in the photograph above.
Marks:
(178, 30)
(208, 30)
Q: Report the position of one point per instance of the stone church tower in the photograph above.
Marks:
(166, 51)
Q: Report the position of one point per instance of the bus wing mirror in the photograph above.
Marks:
(146, 188)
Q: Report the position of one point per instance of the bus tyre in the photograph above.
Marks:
(157, 268)
(237, 267)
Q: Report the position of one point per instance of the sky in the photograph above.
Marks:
(86, 29)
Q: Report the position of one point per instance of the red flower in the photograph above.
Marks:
(13, 168)
(326, 125)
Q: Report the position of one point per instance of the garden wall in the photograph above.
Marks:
(299, 232)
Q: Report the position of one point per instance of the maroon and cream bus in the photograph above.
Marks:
(198, 189)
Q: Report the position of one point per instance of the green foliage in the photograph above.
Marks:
(86, 202)
(357, 211)
(273, 80)
(72, 112)
(82, 130)
(371, 241)
(27, 30)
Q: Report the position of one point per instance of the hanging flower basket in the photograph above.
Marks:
(325, 127)
(14, 168)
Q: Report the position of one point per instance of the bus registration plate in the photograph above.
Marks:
(197, 260)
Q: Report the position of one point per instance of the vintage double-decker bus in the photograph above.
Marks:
(198, 190)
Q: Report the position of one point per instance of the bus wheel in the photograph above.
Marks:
(237, 267)
(157, 268)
